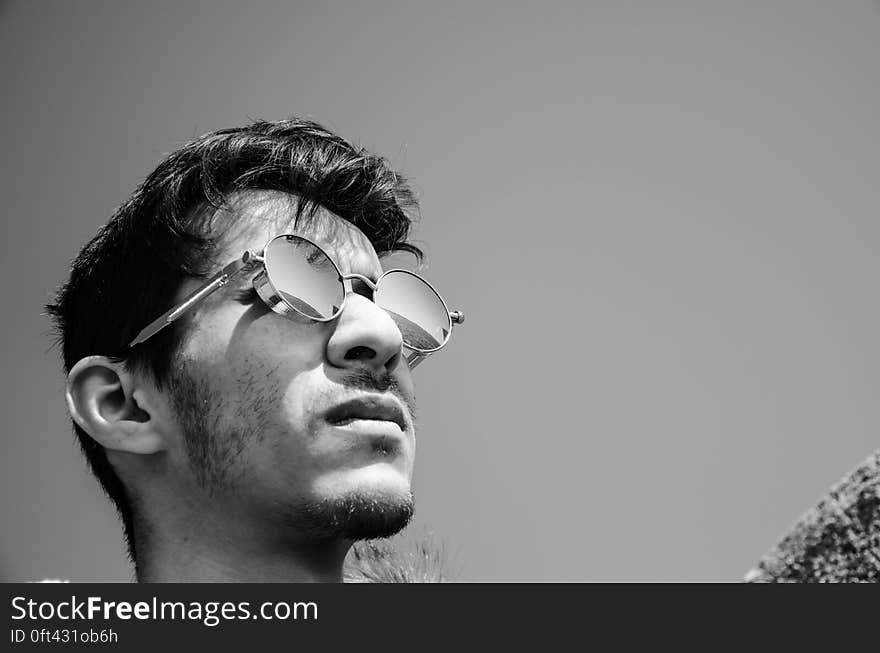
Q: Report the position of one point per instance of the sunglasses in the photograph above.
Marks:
(299, 279)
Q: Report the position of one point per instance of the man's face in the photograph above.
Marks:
(301, 427)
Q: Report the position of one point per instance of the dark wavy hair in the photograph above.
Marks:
(128, 273)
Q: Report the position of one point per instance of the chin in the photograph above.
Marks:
(369, 502)
(379, 481)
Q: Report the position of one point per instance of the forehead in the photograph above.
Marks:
(251, 218)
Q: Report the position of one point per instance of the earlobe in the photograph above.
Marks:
(105, 401)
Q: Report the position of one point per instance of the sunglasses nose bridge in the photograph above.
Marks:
(348, 277)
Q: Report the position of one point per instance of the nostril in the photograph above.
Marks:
(360, 353)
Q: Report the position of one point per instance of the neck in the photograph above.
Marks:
(235, 554)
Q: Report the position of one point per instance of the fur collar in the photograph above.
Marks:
(838, 540)
(375, 562)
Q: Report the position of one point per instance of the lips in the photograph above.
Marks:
(382, 409)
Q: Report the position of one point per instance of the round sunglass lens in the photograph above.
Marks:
(305, 277)
(420, 314)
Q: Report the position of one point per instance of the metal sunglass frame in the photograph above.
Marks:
(270, 296)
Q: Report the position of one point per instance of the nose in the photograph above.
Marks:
(365, 336)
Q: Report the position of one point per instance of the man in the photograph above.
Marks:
(239, 368)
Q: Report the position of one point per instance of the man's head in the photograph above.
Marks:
(236, 414)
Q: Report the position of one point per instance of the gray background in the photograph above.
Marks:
(660, 219)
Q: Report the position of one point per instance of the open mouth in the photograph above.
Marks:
(367, 409)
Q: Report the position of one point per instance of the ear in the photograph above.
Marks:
(119, 411)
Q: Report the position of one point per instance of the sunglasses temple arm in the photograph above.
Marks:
(213, 284)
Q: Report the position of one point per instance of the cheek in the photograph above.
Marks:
(257, 363)
(292, 401)
(251, 341)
